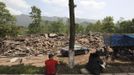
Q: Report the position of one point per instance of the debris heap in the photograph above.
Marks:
(41, 43)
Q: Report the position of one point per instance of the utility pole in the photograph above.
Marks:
(72, 33)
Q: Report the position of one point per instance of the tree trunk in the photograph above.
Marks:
(72, 33)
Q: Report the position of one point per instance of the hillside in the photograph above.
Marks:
(24, 20)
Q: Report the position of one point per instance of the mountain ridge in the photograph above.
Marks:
(25, 20)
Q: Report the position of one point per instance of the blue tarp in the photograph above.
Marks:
(120, 40)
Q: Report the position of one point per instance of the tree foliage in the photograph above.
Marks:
(79, 29)
(5, 16)
(108, 25)
(35, 26)
(7, 22)
(94, 27)
(126, 26)
(57, 27)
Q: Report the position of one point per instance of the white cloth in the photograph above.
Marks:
(103, 65)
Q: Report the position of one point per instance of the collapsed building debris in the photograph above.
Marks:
(39, 44)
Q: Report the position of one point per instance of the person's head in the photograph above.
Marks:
(50, 56)
(94, 55)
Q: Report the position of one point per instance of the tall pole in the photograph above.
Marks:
(72, 33)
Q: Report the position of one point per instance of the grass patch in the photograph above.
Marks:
(21, 69)
(63, 69)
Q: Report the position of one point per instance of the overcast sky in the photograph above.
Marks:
(90, 9)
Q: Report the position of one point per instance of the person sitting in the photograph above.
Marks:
(51, 65)
(94, 65)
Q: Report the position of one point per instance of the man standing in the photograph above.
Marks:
(51, 65)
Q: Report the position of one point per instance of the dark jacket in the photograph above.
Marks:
(94, 64)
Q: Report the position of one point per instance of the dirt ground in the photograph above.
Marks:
(39, 60)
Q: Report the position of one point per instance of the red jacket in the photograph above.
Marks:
(51, 66)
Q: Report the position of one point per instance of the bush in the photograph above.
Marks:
(8, 30)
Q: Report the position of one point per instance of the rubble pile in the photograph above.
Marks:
(40, 44)
(91, 40)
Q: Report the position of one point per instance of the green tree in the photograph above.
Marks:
(94, 27)
(79, 29)
(132, 26)
(108, 25)
(89, 28)
(97, 27)
(5, 16)
(57, 27)
(35, 26)
(45, 26)
(126, 27)
(7, 22)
